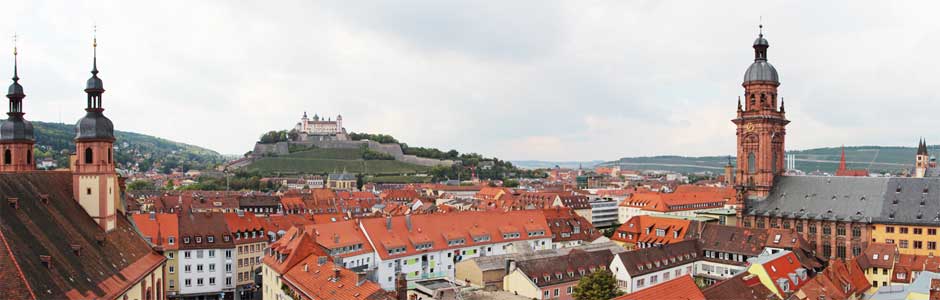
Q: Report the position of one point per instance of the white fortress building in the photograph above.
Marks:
(318, 126)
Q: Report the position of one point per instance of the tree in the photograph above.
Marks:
(599, 285)
(141, 185)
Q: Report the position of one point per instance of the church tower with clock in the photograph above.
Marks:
(761, 126)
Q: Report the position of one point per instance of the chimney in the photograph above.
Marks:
(335, 238)
(408, 222)
(361, 278)
(401, 286)
(335, 274)
(14, 202)
(153, 215)
(306, 268)
(388, 222)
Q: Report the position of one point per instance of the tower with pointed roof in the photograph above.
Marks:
(921, 160)
(94, 180)
(761, 126)
(16, 133)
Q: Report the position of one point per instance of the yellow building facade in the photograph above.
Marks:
(915, 240)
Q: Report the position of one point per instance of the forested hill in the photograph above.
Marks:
(876, 159)
(133, 151)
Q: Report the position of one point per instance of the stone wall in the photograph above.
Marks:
(279, 148)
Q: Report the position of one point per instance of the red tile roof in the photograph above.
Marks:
(320, 281)
(563, 223)
(683, 198)
(160, 229)
(780, 268)
(878, 255)
(246, 225)
(681, 288)
(743, 286)
(643, 229)
(435, 225)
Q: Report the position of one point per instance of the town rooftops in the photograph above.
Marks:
(569, 226)
(51, 249)
(475, 228)
(686, 197)
(566, 268)
(682, 287)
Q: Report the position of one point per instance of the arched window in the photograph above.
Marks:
(109, 155)
(88, 157)
(751, 163)
(7, 157)
(29, 156)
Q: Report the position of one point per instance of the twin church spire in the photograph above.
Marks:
(16, 133)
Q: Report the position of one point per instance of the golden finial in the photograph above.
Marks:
(14, 44)
(94, 37)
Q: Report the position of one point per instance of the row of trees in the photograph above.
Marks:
(236, 182)
(272, 137)
(380, 138)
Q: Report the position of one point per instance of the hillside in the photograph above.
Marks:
(877, 159)
(133, 151)
(320, 161)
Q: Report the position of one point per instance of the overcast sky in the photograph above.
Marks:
(548, 80)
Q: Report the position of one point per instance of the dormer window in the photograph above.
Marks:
(171, 240)
(210, 239)
(226, 238)
(185, 240)
(198, 239)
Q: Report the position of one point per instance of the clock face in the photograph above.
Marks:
(749, 127)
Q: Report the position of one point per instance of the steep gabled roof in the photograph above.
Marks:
(47, 222)
(565, 268)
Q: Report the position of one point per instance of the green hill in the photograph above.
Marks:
(321, 161)
(876, 159)
(133, 151)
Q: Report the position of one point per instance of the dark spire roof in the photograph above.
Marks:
(94, 83)
(15, 88)
(922, 147)
(15, 127)
(94, 125)
(761, 70)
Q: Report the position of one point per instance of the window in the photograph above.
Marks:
(889, 241)
(856, 231)
(654, 279)
(172, 284)
(640, 282)
(171, 269)
(931, 245)
(228, 253)
(186, 254)
(188, 282)
(903, 230)
(170, 255)
(210, 239)
(918, 231)
(931, 231)
(199, 281)
(827, 230)
(840, 230)
(7, 157)
(198, 239)
(918, 245)
(186, 241)
(556, 292)
(211, 280)
(902, 244)
(171, 240)
(211, 267)
(889, 229)
(211, 252)
(29, 156)
(198, 252)
(751, 163)
(199, 268)
(570, 290)
(187, 268)
(812, 228)
(88, 157)
(109, 155)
